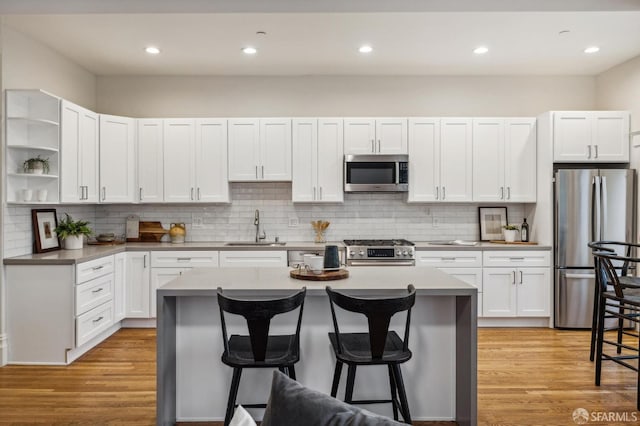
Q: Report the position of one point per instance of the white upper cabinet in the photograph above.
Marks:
(260, 149)
(195, 161)
(375, 136)
(440, 152)
(591, 136)
(79, 154)
(150, 161)
(504, 159)
(317, 160)
(117, 159)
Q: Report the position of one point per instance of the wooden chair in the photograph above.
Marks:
(378, 346)
(259, 349)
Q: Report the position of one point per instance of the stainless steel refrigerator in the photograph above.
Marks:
(590, 205)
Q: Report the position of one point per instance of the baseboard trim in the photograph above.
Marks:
(514, 322)
(4, 349)
(139, 323)
(76, 353)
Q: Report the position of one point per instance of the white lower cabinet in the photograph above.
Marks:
(137, 285)
(255, 258)
(515, 289)
(159, 277)
(119, 287)
(466, 265)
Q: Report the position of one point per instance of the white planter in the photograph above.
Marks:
(510, 235)
(73, 242)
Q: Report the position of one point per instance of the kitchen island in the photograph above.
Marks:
(441, 378)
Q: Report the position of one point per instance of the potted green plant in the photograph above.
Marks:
(36, 166)
(71, 232)
(510, 233)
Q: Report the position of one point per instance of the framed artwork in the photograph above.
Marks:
(492, 219)
(44, 224)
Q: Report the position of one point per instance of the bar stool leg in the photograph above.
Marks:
(336, 378)
(394, 395)
(601, 314)
(594, 320)
(620, 328)
(292, 372)
(233, 393)
(283, 370)
(403, 395)
(351, 377)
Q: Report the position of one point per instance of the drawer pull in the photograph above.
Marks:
(98, 290)
(98, 319)
(448, 259)
(96, 268)
(184, 259)
(521, 259)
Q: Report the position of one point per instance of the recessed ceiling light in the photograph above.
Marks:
(250, 50)
(365, 49)
(152, 50)
(480, 50)
(591, 49)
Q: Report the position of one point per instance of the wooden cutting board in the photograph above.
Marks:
(303, 274)
(523, 243)
(151, 231)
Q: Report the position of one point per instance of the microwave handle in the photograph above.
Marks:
(397, 173)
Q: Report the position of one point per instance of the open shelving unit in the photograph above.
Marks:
(32, 129)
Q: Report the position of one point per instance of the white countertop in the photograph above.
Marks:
(205, 281)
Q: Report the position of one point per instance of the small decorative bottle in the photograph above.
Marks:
(524, 231)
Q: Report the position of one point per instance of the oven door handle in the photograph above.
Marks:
(381, 263)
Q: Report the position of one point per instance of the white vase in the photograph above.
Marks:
(510, 235)
(73, 242)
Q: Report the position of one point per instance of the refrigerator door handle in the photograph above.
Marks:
(580, 276)
(603, 204)
(595, 209)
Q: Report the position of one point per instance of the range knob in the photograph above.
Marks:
(411, 253)
(404, 253)
(361, 253)
(352, 253)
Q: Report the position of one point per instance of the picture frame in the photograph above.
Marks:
(44, 222)
(491, 221)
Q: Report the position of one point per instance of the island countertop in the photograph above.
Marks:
(205, 281)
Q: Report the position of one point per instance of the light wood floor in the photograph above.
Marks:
(525, 377)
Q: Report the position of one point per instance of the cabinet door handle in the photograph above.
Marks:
(97, 268)
(321, 193)
(256, 172)
(513, 259)
(444, 193)
(262, 171)
(448, 259)
(183, 259)
(502, 192)
(508, 192)
(191, 194)
(596, 149)
(373, 145)
(520, 277)
(104, 193)
(589, 151)
(140, 193)
(379, 149)
(98, 319)
(97, 290)
(314, 193)
(514, 277)
(86, 192)
(198, 192)
(144, 262)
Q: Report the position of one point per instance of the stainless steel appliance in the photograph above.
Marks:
(380, 252)
(376, 173)
(295, 258)
(590, 205)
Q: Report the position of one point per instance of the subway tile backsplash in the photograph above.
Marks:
(362, 215)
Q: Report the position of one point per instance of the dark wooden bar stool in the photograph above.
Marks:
(622, 303)
(625, 280)
(259, 349)
(378, 346)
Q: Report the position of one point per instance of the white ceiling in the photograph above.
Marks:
(405, 43)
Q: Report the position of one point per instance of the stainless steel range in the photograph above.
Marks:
(380, 252)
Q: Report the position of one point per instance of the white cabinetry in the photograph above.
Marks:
(119, 286)
(516, 283)
(117, 159)
(255, 258)
(466, 265)
(440, 160)
(591, 136)
(375, 136)
(150, 161)
(32, 130)
(504, 159)
(137, 300)
(260, 149)
(317, 160)
(79, 154)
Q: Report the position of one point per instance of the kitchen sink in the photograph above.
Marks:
(254, 244)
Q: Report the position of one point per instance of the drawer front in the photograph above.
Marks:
(92, 323)
(184, 259)
(86, 271)
(255, 258)
(93, 293)
(516, 258)
(452, 258)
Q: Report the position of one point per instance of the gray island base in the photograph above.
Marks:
(440, 379)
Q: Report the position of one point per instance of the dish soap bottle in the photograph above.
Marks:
(524, 231)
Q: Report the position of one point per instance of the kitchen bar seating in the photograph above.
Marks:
(259, 349)
(378, 346)
(622, 303)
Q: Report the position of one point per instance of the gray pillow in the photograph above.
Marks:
(291, 404)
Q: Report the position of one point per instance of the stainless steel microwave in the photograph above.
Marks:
(376, 173)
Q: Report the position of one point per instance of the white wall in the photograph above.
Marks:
(153, 96)
(28, 64)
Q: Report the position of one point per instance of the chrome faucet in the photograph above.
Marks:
(256, 222)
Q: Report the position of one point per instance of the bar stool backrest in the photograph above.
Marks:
(378, 313)
(258, 314)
